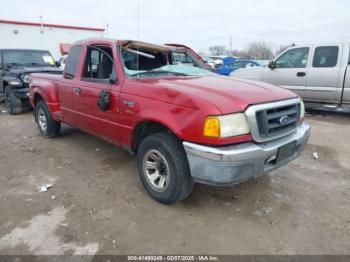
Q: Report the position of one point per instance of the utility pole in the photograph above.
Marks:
(107, 30)
(138, 21)
(41, 25)
(138, 30)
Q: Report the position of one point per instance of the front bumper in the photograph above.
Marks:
(22, 92)
(234, 164)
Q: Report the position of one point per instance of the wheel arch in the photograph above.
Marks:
(145, 128)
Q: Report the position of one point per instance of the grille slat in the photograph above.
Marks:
(270, 121)
(278, 114)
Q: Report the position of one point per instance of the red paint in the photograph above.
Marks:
(179, 103)
(51, 25)
(64, 48)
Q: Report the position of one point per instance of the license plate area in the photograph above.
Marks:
(286, 151)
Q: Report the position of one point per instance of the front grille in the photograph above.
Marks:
(277, 121)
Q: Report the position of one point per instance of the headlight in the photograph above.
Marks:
(226, 126)
(25, 78)
(302, 109)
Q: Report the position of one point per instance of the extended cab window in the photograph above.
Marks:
(98, 63)
(72, 62)
(325, 56)
(293, 58)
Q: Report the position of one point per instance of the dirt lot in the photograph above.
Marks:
(97, 204)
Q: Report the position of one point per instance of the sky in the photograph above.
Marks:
(197, 23)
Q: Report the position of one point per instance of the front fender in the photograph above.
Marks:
(12, 81)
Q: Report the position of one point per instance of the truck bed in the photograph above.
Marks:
(47, 76)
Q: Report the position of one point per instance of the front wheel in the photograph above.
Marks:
(13, 103)
(163, 168)
(47, 125)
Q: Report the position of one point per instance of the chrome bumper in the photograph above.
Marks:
(234, 164)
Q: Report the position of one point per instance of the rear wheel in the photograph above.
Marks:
(163, 168)
(13, 103)
(47, 125)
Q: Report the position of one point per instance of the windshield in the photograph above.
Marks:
(27, 57)
(144, 62)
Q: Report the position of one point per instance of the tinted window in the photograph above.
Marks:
(28, 58)
(325, 56)
(184, 58)
(236, 65)
(293, 58)
(72, 61)
(98, 63)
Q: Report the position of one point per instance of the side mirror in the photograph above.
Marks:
(113, 78)
(272, 65)
(58, 64)
(104, 100)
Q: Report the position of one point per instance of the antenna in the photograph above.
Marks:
(138, 30)
(138, 21)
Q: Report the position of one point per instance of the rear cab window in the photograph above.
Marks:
(72, 62)
(325, 56)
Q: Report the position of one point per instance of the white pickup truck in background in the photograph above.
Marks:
(317, 73)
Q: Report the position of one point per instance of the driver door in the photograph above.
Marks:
(290, 71)
(94, 79)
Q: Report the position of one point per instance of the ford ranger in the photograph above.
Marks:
(184, 123)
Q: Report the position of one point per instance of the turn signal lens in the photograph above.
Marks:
(226, 125)
(211, 127)
(302, 110)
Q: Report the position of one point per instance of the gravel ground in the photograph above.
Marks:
(97, 205)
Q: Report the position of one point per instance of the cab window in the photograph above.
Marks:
(98, 65)
(293, 58)
(183, 58)
(237, 65)
(325, 56)
(72, 62)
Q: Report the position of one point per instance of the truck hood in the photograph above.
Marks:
(228, 95)
(255, 73)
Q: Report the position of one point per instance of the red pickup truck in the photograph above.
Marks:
(184, 123)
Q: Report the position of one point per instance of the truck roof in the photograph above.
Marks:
(128, 43)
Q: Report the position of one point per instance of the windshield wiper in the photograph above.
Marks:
(13, 64)
(37, 64)
(156, 72)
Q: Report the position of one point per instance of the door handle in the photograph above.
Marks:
(77, 90)
(301, 74)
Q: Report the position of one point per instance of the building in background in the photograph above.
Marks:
(52, 37)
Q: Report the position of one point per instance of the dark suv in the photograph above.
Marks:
(15, 67)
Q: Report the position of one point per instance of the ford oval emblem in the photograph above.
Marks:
(284, 120)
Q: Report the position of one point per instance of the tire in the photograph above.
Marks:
(163, 154)
(47, 125)
(13, 103)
